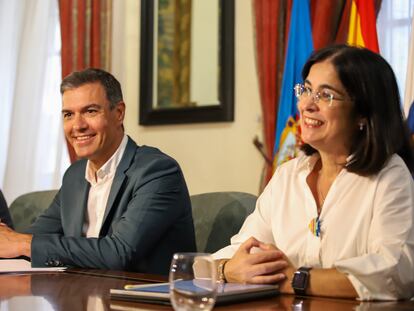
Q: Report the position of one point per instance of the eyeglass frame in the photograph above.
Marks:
(316, 96)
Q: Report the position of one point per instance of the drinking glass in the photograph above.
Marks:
(193, 283)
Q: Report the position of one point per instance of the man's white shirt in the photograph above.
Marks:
(99, 191)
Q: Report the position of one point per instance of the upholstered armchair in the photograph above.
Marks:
(27, 207)
(218, 216)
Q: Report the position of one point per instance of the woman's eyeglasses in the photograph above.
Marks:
(324, 97)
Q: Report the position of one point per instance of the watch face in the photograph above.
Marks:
(300, 280)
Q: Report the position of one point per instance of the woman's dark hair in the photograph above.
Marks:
(370, 82)
(110, 84)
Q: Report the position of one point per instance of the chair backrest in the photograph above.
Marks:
(25, 208)
(218, 216)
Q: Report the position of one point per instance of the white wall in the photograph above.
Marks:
(213, 156)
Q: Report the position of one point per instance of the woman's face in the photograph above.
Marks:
(328, 126)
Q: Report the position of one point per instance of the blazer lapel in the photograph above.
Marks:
(75, 215)
(119, 178)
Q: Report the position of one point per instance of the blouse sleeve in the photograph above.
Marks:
(386, 271)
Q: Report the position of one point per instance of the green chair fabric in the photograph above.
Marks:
(218, 216)
(25, 208)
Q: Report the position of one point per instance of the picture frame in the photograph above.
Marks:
(223, 110)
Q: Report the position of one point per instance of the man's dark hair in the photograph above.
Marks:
(371, 84)
(91, 75)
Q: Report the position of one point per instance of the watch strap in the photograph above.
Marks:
(300, 280)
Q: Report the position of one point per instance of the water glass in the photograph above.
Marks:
(193, 282)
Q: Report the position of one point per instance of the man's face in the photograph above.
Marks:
(91, 127)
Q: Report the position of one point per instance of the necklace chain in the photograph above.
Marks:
(320, 195)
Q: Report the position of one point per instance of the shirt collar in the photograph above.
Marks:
(312, 159)
(108, 169)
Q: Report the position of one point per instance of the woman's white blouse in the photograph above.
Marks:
(366, 226)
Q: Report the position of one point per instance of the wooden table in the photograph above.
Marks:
(89, 290)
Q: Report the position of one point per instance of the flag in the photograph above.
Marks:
(362, 25)
(410, 119)
(409, 78)
(299, 47)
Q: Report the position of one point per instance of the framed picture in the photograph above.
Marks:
(187, 61)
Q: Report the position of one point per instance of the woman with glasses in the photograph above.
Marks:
(337, 220)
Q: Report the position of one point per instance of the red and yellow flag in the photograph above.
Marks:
(362, 25)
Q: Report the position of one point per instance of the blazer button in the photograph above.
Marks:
(58, 263)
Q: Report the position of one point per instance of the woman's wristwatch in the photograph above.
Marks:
(300, 280)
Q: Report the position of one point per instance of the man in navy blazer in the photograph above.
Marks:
(122, 206)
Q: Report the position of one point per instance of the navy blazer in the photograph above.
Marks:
(147, 218)
(4, 212)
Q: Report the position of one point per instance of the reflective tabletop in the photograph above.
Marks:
(89, 290)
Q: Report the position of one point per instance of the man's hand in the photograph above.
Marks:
(265, 266)
(13, 244)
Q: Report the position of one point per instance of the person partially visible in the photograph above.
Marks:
(338, 220)
(121, 206)
(410, 121)
(4, 212)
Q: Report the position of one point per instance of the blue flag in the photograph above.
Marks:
(410, 118)
(300, 46)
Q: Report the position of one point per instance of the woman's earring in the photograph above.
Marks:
(361, 126)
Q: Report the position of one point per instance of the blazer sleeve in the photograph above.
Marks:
(154, 199)
(4, 212)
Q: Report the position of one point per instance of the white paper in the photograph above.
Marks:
(21, 265)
